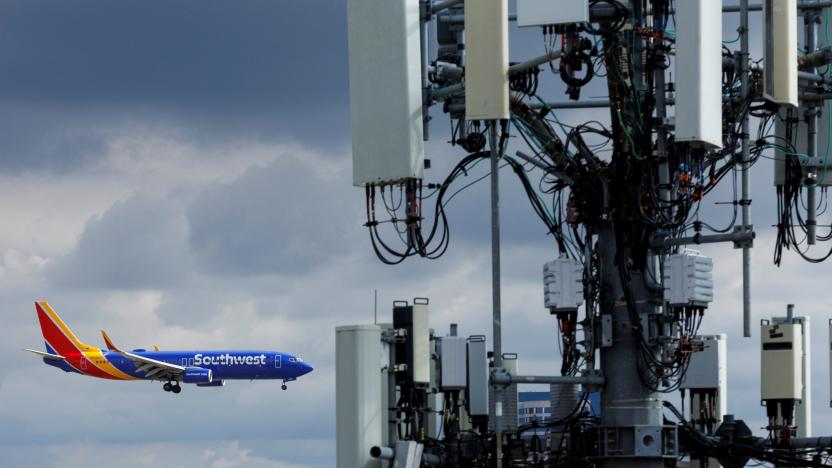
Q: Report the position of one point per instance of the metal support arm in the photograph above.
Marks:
(502, 377)
(738, 237)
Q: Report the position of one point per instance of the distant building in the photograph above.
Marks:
(533, 406)
(536, 406)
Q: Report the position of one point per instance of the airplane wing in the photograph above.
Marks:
(154, 369)
(53, 357)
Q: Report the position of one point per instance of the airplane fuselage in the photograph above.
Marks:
(224, 365)
(206, 368)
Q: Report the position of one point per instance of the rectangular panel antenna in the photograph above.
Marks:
(780, 51)
(699, 73)
(486, 60)
(385, 91)
(453, 366)
(477, 377)
(414, 351)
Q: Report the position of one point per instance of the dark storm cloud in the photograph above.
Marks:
(284, 218)
(33, 137)
(261, 68)
(258, 54)
(135, 244)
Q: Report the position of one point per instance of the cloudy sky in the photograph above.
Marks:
(178, 173)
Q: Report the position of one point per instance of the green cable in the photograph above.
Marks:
(552, 112)
(788, 153)
(734, 41)
(629, 137)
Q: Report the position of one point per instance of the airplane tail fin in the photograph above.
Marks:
(59, 338)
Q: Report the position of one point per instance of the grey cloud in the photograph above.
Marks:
(45, 139)
(310, 453)
(209, 53)
(135, 244)
(262, 70)
(285, 218)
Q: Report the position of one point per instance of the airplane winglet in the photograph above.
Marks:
(109, 342)
(50, 356)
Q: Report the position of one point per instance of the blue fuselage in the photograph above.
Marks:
(224, 365)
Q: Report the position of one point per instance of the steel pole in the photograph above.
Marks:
(626, 403)
(810, 39)
(631, 412)
(746, 179)
(495, 245)
(495, 277)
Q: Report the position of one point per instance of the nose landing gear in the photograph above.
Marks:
(289, 379)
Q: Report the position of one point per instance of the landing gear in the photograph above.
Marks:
(172, 387)
(288, 379)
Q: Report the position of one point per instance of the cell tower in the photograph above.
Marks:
(621, 200)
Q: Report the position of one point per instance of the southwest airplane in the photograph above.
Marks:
(203, 368)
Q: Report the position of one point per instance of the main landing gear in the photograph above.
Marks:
(172, 387)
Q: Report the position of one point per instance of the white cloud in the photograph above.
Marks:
(216, 454)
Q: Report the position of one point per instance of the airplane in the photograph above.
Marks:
(209, 368)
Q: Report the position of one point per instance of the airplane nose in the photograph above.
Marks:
(306, 368)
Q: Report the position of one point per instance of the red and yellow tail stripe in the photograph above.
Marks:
(84, 358)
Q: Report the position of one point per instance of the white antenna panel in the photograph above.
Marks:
(486, 59)
(699, 73)
(780, 51)
(385, 91)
